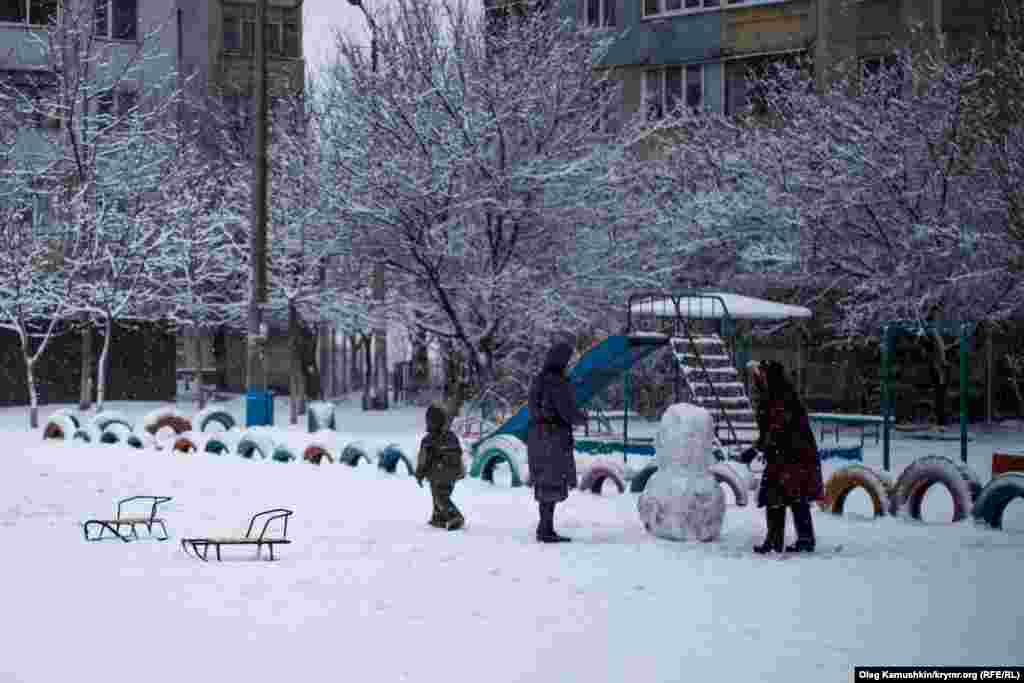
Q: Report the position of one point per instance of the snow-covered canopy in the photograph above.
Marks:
(708, 305)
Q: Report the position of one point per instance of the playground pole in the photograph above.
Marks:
(625, 415)
(988, 375)
(963, 392)
(886, 407)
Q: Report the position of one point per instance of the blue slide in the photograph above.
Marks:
(595, 371)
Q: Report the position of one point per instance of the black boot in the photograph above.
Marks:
(775, 517)
(804, 529)
(545, 511)
(546, 528)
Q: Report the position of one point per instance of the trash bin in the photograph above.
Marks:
(259, 408)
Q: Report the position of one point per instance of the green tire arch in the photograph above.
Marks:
(889, 331)
(489, 458)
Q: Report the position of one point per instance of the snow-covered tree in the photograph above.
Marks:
(305, 246)
(201, 267)
(115, 145)
(35, 281)
(474, 164)
(900, 216)
(98, 119)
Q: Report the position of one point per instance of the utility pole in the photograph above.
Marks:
(377, 283)
(258, 235)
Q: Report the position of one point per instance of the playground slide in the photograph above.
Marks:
(595, 371)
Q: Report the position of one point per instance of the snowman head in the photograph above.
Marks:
(686, 436)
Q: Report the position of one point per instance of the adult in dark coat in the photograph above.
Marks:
(549, 443)
(792, 476)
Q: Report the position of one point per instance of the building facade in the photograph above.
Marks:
(209, 42)
(701, 52)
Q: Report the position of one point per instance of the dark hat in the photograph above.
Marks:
(437, 418)
(558, 357)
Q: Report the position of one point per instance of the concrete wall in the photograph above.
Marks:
(141, 367)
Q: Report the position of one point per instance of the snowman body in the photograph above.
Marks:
(682, 500)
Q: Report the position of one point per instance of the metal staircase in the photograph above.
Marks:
(712, 383)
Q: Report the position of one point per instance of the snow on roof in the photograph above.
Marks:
(709, 305)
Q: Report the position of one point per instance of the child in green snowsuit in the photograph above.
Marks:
(440, 463)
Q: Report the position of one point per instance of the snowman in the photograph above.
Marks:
(682, 500)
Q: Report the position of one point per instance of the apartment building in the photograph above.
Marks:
(212, 41)
(700, 52)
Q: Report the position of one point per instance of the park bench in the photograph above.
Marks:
(114, 525)
(201, 546)
(835, 421)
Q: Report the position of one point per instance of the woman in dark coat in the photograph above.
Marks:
(549, 444)
(792, 476)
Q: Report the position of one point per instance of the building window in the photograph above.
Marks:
(668, 88)
(272, 41)
(232, 34)
(597, 13)
(883, 74)
(115, 106)
(746, 81)
(278, 39)
(40, 212)
(292, 43)
(248, 37)
(105, 104)
(34, 95)
(607, 100)
(117, 19)
(655, 8)
(30, 12)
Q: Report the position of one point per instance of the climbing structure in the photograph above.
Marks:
(711, 381)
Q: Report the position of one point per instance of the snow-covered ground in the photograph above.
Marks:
(369, 592)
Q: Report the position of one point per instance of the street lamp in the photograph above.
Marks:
(373, 31)
(258, 230)
(258, 233)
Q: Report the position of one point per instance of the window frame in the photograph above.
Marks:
(34, 88)
(662, 88)
(238, 34)
(759, 63)
(26, 9)
(116, 103)
(605, 13)
(275, 29)
(246, 36)
(109, 14)
(283, 37)
(722, 5)
(42, 209)
(871, 66)
(296, 32)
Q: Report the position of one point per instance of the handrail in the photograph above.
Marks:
(707, 375)
(276, 513)
(676, 298)
(157, 500)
